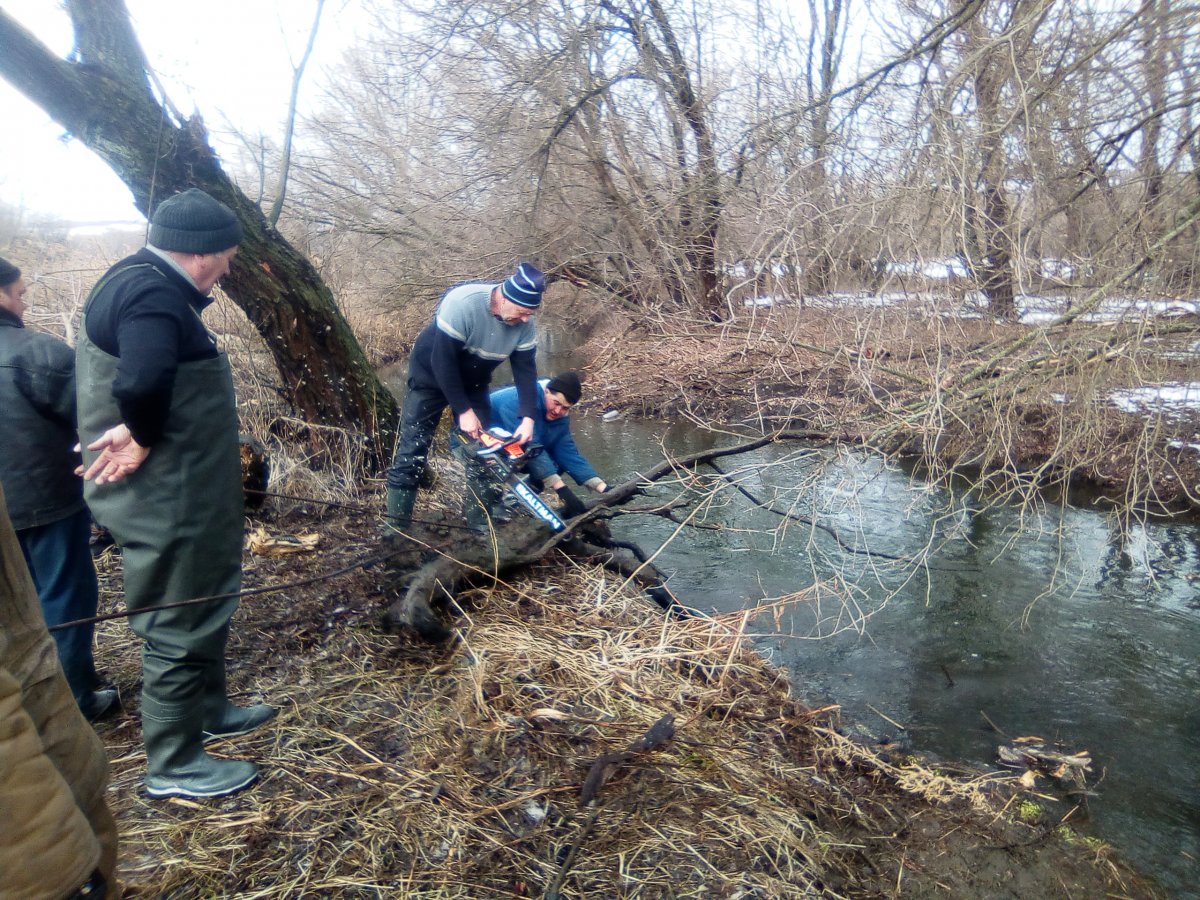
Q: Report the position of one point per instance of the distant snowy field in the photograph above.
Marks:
(934, 293)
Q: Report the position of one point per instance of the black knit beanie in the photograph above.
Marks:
(567, 384)
(193, 222)
(8, 273)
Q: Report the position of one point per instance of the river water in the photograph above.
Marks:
(1046, 622)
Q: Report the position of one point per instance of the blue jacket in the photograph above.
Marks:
(561, 454)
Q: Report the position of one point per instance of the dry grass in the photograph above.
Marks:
(398, 769)
(960, 396)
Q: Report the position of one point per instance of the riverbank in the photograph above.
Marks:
(401, 769)
(1009, 405)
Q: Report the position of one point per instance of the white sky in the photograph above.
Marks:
(231, 60)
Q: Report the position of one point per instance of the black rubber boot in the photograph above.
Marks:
(400, 503)
(176, 764)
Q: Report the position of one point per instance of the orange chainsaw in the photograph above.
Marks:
(503, 458)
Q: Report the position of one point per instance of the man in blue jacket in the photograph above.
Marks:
(551, 429)
(45, 496)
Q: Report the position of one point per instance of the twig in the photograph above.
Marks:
(655, 737)
(996, 728)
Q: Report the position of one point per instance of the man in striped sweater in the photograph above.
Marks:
(477, 327)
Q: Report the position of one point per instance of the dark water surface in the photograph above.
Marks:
(1047, 622)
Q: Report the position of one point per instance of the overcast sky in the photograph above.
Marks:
(231, 60)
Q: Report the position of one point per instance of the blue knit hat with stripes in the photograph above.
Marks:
(524, 286)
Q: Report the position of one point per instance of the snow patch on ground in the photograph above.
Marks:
(937, 269)
(1168, 399)
(1033, 310)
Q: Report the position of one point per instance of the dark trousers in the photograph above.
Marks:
(423, 406)
(63, 574)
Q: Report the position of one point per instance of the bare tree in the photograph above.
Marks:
(629, 144)
(104, 97)
(983, 111)
(821, 69)
(524, 116)
(290, 128)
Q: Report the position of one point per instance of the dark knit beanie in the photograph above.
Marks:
(8, 273)
(567, 384)
(524, 286)
(193, 222)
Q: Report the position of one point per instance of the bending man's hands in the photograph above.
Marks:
(524, 431)
(469, 424)
(120, 455)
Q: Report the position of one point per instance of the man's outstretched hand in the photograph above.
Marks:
(120, 456)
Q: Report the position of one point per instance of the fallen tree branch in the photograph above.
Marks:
(524, 541)
(761, 504)
(601, 770)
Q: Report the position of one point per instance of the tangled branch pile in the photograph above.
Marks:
(1016, 409)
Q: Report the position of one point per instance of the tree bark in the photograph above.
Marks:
(702, 203)
(990, 211)
(103, 96)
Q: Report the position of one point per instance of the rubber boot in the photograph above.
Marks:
(223, 719)
(176, 764)
(400, 502)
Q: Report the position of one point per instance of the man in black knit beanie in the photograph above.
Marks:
(158, 414)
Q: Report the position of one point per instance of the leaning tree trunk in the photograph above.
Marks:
(103, 97)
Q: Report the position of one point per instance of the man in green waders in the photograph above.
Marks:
(159, 418)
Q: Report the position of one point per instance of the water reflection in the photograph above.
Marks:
(1051, 623)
